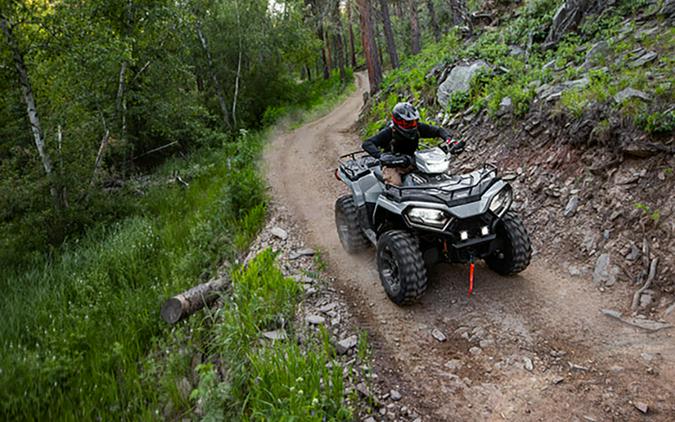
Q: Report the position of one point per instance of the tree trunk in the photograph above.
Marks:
(216, 82)
(352, 49)
(339, 47)
(434, 21)
(415, 45)
(120, 101)
(460, 15)
(389, 34)
(325, 58)
(190, 301)
(238, 76)
(369, 47)
(99, 157)
(28, 97)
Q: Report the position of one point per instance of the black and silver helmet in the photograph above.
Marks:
(404, 119)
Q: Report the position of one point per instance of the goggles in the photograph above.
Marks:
(405, 124)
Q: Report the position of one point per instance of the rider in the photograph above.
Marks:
(401, 136)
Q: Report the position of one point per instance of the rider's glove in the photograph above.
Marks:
(455, 146)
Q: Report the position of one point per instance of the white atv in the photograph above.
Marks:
(433, 217)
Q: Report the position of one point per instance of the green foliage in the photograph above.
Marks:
(654, 215)
(277, 381)
(77, 322)
(658, 123)
(458, 102)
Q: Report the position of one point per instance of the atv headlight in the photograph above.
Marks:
(428, 216)
(501, 201)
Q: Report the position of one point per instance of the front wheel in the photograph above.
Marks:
(401, 266)
(515, 250)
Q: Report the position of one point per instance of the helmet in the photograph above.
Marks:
(404, 118)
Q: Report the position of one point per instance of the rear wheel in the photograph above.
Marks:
(401, 266)
(348, 228)
(516, 249)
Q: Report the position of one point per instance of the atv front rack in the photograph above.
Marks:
(449, 194)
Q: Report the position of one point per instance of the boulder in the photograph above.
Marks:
(599, 49)
(505, 106)
(604, 272)
(643, 59)
(458, 80)
(631, 93)
(550, 92)
(668, 10)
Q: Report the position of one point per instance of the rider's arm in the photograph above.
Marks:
(429, 131)
(381, 140)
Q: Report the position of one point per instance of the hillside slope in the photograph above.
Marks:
(582, 126)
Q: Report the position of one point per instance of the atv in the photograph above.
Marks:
(433, 217)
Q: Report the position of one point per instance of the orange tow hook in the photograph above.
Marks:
(471, 267)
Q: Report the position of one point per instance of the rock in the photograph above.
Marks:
(634, 253)
(345, 345)
(643, 59)
(279, 232)
(557, 380)
(315, 319)
(552, 92)
(328, 307)
(641, 406)
(475, 351)
(604, 272)
(369, 419)
(438, 335)
(574, 271)
(528, 364)
(668, 9)
(576, 367)
(395, 395)
(599, 49)
(568, 17)
(631, 93)
(646, 299)
(362, 388)
(642, 149)
(571, 207)
(670, 309)
(514, 50)
(302, 252)
(453, 364)
(505, 106)
(275, 334)
(601, 271)
(549, 65)
(458, 80)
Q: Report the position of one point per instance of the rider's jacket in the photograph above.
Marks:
(389, 140)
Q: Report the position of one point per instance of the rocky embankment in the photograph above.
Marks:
(597, 192)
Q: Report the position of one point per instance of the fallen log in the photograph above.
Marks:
(190, 301)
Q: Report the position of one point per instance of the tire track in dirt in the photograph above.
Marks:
(479, 373)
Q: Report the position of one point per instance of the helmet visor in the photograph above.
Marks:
(405, 124)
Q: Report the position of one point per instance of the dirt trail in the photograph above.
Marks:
(584, 365)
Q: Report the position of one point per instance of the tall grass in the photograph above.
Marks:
(279, 381)
(81, 337)
(75, 327)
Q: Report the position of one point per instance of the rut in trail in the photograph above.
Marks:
(530, 347)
